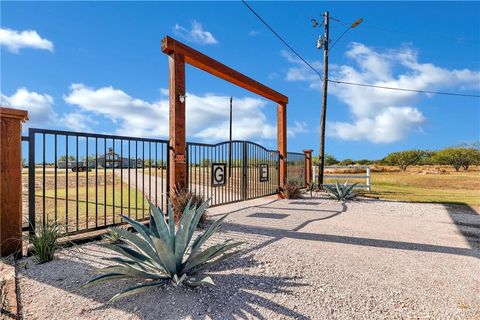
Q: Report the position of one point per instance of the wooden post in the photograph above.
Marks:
(282, 144)
(308, 166)
(11, 180)
(178, 167)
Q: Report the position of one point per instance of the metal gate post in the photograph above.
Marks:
(308, 166)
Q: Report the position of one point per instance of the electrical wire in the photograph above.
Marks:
(344, 32)
(281, 39)
(403, 89)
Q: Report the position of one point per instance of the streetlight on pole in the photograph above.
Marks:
(323, 42)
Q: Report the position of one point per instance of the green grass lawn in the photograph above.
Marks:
(108, 205)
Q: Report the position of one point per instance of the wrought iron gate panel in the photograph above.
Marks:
(242, 161)
(256, 157)
(84, 181)
(200, 160)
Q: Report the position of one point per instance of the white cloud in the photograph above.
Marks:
(78, 121)
(206, 118)
(14, 40)
(39, 106)
(383, 116)
(196, 34)
(389, 125)
(253, 33)
(299, 127)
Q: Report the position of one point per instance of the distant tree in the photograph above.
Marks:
(404, 159)
(64, 158)
(161, 164)
(206, 163)
(347, 162)
(458, 157)
(330, 160)
(24, 163)
(148, 163)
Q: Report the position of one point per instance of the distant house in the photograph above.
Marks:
(113, 160)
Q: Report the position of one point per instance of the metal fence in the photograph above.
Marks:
(240, 166)
(85, 181)
(296, 167)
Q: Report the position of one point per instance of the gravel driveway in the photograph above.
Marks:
(304, 259)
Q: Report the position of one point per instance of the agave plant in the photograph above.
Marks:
(341, 192)
(162, 254)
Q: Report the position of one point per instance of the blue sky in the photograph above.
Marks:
(98, 67)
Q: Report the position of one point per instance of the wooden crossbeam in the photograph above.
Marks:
(218, 69)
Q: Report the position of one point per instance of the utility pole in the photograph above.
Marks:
(325, 41)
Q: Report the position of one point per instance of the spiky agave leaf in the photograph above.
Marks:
(341, 192)
(158, 252)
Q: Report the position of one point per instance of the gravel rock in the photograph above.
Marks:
(302, 259)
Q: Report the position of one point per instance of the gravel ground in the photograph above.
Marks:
(304, 259)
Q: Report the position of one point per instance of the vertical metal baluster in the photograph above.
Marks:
(156, 173)
(121, 178)
(66, 183)
(105, 182)
(76, 183)
(96, 181)
(136, 180)
(43, 181)
(129, 174)
(143, 179)
(162, 190)
(31, 183)
(150, 171)
(55, 186)
(86, 179)
(113, 181)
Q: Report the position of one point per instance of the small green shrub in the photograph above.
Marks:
(162, 254)
(182, 198)
(341, 192)
(112, 237)
(45, 241)
(293, 189)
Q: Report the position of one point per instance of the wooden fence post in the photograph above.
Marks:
(11, 180)
(308, 166)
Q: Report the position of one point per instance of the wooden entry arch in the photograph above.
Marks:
(179, 54)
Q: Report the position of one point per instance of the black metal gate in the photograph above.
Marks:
(232, 171)
(84, 181)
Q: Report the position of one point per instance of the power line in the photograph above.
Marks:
(403, 89)
(338, 39)
(352, 83)
(281, 39)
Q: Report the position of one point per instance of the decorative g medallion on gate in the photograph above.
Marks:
(218, 174)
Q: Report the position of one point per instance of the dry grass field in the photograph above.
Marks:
(436, 184)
